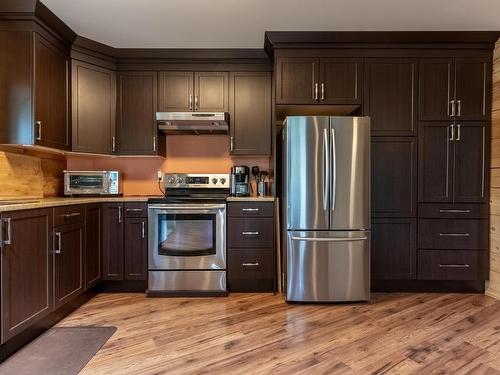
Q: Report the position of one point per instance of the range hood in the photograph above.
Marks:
(193, 122)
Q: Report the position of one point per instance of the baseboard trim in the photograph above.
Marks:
(493, 293)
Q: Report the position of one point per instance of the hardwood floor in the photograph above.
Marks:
(260, 334)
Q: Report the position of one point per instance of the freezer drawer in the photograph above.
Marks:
(328, 266)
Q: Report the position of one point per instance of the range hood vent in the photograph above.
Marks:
(193, 122)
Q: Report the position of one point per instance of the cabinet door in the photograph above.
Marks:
(391, 96)
(435, 174)
(436, 88)
(51, 95)
(136, 249)
(26, 269)
(94, 108)
(340, 81)
(211, 91)
(176, 92)
(112, 241)
(93, 244)
(394, 176)
(68, 257)
(250, 111)
(471, 163)
(297, 80)
(136, 126)
(473, 88)
(394, 249)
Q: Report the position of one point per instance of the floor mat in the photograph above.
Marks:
(59, 351)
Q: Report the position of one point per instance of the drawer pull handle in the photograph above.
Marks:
(134, 209)
(252, 264)
(454, 234)
(454, 211)
(74, 214)
(250, 233)
(454, 265)
(250, 209)
(57, 250)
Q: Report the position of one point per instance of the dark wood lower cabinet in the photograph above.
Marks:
(68, 263)
(112, 244)
(93, 244)
(26, 269)
(136, 248)
(394, 249)
(452, 264)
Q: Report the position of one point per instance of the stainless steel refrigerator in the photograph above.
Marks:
(326, 208)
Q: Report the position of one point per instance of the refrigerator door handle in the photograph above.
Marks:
(334, 171)
(326, 177)
(334, 239)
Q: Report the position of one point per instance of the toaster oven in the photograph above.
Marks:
(91, 183)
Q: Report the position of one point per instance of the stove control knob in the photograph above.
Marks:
(214, 180)
(171, 180)
(179, 180)
(222, 180)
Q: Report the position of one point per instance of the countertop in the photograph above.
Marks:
(29, 204)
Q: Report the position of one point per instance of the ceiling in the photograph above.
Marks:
(242, 23)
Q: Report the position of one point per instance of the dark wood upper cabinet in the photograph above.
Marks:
(436, 88)
(394, 171)
(391, 96)
(455, 88)
(471, 163)
(435, 167)
(473, 88)
(93, 244)
(93, 108)
(176, 91)
(51, 83)
(340, 81)
(211, 91)
(394, 249)
(136, 128)
(297, 80)
(26, 269)
(250, 111)
(112, 244)
(68, 259)
(136, 248)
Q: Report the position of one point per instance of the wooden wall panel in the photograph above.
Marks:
(29, 174)
(493, 287)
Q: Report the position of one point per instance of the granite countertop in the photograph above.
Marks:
(251, 199)
(28, 204)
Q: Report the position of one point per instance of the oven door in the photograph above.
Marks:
(187, 236)
(86, 183)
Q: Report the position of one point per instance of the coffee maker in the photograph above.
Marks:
(240, 181)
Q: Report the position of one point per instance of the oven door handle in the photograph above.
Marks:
(187, 207)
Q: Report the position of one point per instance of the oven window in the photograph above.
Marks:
(86, 182)
(186, 234)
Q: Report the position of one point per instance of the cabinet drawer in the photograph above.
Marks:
(452, 234)
(136, 209)
(250, 232)
(250, 209)
(250, 264)
(451, 265)
(452, 211)
(65, 215)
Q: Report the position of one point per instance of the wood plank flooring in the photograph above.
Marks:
(261, 334)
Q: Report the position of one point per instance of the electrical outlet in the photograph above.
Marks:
(159, 176)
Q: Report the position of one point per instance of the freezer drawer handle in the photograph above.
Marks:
(454, 266)
(313, 239)
(250, 233)
(253, 264)
(454, 211)
(454, 234)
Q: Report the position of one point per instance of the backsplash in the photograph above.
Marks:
(190, 154)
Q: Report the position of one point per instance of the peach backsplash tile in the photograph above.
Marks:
(190, 154)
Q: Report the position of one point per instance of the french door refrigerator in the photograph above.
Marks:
(326, 208)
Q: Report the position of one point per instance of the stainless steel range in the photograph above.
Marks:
(187, 236)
